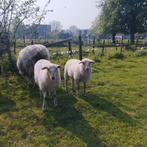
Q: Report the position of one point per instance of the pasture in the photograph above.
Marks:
(113, 113)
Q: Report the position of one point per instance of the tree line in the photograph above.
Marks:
(121, 16)
(13, 13)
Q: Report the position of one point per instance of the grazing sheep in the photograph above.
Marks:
(78, 71)
(27, 58)
(47, 77)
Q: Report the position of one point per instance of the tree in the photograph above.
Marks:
(126, 16)
(74, 30)
(12, 14)
(56, 26)
(107, 22)
(134, 15)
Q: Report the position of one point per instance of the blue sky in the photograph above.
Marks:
(72, 12)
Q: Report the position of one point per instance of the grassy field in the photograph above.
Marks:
(112, 114)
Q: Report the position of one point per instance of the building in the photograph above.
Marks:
(34, 31)
(42, 30)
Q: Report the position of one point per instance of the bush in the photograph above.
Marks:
(96, 58)
(117, 56)
(130, 47)
(140, 53)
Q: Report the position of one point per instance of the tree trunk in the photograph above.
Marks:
(12, 64)
(132, 37)
(9, 55)
(113, 37)
(14, 44)
(132, 27)
(24, 41)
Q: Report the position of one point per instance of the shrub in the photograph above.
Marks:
(117, 56)
(131, 47)
(96, 58)
(140, 53)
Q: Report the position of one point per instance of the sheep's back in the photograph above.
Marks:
(29, 56)
(73, 68)
(38, 68)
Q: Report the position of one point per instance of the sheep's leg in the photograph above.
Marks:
(84, 88)
(49, 94)
(78, 87)
(66, 86)
(44, 105)
(40, 95)
(55, 98)
(73, 86)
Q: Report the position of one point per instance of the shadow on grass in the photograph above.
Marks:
(6, 104)
(65, 116)
(72, 120)
(105, 105)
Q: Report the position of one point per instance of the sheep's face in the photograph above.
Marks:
(53, 72)
(87, 65)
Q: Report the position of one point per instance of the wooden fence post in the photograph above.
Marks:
(24, 40)
(103, 48)
(137, 43)
(93, 45)
(89, 39)
(128, 41)
(69, 48)
(121, 45)
(116, 46)
(32, 42)
(80, 47)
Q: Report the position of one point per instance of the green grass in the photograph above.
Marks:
(113, 113)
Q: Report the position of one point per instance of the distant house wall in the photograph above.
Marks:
(40, 31)
(43, 31)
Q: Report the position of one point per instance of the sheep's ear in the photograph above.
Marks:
(45, 68)
(58, 66)
(91, 61)
(81, 62)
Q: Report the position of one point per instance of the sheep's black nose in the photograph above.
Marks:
(87, 69)
(53, 78)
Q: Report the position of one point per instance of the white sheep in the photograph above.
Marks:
(78, 71)
(47, 77)
(27, 58)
